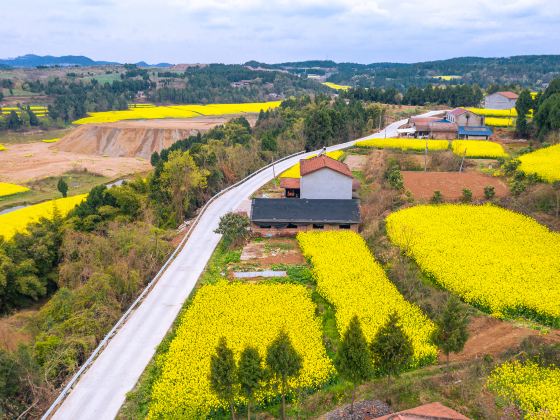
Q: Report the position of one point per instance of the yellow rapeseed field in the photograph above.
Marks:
(293, 171)
(50, 140)
(175, 111)
(500, 121)
(337, 87)
(17, 220)
(7, 189)
(543, 162)
(349, 277)
(448, 77)
(2, 148)
(494, 112)
(533, 388)
(246, 314)
(404, 144)
(478, 149)
(504, 262)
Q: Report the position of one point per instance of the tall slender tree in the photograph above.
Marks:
(284, 363)
(354, 362)
(250, 375)
(223, 374)
(452, 328)
(391, 348)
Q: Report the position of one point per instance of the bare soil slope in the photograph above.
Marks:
(135, 138)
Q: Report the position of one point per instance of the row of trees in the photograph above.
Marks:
(387, 355)
(453, 96)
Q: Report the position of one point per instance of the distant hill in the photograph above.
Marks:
(32, 60)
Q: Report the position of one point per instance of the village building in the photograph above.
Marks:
(464, 118)
(501, 100)
(322, 198)
(458, 123)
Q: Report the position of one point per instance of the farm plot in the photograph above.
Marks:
(246, 314)
(501, 261)
(543, 162)
(7, 189)
(17, 220)
(177, 111)
(349, 277)
(533, 388)
(404, 144)
(478, 149)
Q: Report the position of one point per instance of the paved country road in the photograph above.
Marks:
(102, 389)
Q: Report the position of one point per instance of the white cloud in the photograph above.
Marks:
(280, 30)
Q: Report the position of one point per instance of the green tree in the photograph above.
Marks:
(284, 363)
(250, 374)
(391, 348)
(317, 128)
(452, 328)
(13, 122)
(489, 192)
(223, 374)
(523, 105)
(437, 198)
(62, 187)
(33, 120)
(466, 196)
(268, 142)
(354, 362)
(234, 227)
(547, 117)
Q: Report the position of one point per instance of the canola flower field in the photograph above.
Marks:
(175, 111)
(38, 110)
(535, 389)
(17, 220)
(2, 148)
(294, 171)
(349, 277)
(543, 162)
(404, 144)
(478, 149)
(499, 113)
(51, 140)
(500, 261)
(246, 314)
(500, 121)
(447, 77)
(336, 86)
(7, 189)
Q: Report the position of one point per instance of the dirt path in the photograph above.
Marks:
(21, 163)
(493, 336)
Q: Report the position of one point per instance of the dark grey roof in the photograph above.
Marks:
(301, 210)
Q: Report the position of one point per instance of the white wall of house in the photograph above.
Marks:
(497, 101)
(326, 184)
(468, 119)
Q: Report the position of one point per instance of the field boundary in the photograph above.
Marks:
(105, 341)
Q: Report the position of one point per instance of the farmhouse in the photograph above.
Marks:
(457, 123)
(464, 118)
(322, 198)
(501, 100)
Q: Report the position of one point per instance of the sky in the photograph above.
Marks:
(272, 31)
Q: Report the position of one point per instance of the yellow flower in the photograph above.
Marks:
(543, 162)
(478, 149)
(354, 283)
(246, 314)
(501, 261)
(404, 144)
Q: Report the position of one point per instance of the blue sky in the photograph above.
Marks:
(234, 31)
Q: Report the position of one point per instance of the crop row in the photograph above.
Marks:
(503, 262)
(349, 277)
(245, 314)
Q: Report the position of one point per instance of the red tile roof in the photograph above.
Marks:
(509, 95)
(323, 161)
(431, 411)
(291, 183)
(458, 111)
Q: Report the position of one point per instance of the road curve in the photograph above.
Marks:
(102, 389)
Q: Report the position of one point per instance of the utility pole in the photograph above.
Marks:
(463, 160)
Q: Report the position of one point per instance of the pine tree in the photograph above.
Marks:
(523, 105)
(391, 348)
(62, 186)
(354, 362)
(452, 328)
(250, 374)
(223, 374)
(284, 362)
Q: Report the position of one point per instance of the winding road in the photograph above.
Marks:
(101, 389)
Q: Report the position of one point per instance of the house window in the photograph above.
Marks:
(265, 226)
(291, 226)
(317, 226)
(344, 226)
